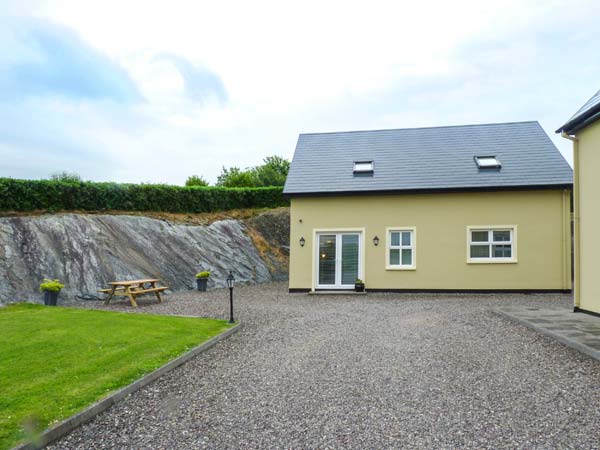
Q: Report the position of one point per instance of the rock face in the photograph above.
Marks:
(87, 251)
(274, 225)
(270, 232)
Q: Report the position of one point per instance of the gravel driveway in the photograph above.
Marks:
(367, 372)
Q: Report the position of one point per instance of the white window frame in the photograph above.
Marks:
(413, 247)
(490, 229)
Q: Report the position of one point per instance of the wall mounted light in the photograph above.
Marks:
(302, 242)
(375, 241)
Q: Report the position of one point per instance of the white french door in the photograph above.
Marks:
(339, 257)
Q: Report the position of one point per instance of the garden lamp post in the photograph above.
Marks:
(230, 283)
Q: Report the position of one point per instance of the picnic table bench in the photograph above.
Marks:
(133, 289)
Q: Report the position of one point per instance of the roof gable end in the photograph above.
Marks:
(587, 114)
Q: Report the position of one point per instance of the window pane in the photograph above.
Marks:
(502, 251)
(480, 251)
(394, 257)
(406, 238)
(479, 236)
(395, 238)
(349, 258)
(406, 257)
(487, 161)
(363, 166)
(502, 236)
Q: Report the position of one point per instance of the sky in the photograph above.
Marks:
(155, 91)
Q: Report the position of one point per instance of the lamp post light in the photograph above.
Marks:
(230, 283)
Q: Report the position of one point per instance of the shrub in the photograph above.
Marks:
(30, 195)
(195, 180)
(68, 177)
(203, 274)
(51, 285)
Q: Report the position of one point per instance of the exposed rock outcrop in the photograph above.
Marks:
(87, 251)
(270, 232)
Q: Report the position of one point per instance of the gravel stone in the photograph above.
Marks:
(367, 372)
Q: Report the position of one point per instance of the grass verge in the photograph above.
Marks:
(55, 361)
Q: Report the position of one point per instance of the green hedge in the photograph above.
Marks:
(30, 195)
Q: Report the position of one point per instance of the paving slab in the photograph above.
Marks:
(574, 329)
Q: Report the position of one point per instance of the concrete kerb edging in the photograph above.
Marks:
(66, 426)
(560, 338)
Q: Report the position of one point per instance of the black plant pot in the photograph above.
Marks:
(202, 282)
(51, 298)
(359, 287)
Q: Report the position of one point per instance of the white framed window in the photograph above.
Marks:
(363, 167)
(492, 244)
(487, 162)
(401, 248)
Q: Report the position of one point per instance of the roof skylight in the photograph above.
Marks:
(487, 162)
(363, 166)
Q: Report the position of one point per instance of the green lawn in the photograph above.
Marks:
(55, 361)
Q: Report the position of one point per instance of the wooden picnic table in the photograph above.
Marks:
(132, 289)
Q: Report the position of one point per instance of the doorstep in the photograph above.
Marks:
(576, 330)
(337, 293)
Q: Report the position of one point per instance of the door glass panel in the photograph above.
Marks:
(349, 258)
(327, 259)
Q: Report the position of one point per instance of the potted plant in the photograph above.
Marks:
(202, 280)
(359, 285)
(51, 289)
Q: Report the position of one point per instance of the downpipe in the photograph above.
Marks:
(576, 217)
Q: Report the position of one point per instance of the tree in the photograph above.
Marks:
(66, 177)
(195, 180)
(272, 172)
(235, 177)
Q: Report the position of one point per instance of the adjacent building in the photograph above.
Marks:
(458, 208)
(583, 128)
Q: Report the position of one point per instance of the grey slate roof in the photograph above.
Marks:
(424, 159)
(587, 114)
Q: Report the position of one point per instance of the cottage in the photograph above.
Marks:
(457, 208)
(584, 130)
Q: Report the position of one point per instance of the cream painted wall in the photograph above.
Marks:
(589, 217)
(441, 221)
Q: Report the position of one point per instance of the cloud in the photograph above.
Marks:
(231, 89)
(66, 106)
(201, 84)
(35, 141)
(40, 58)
